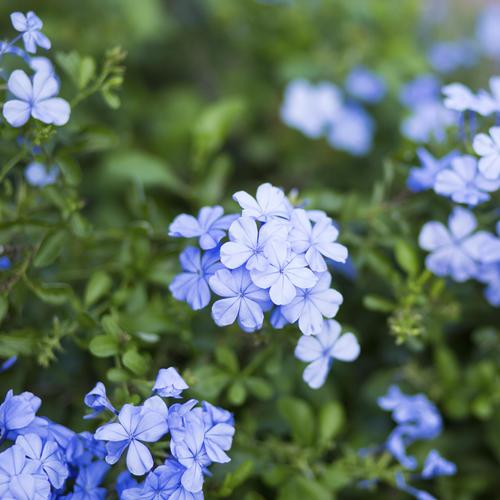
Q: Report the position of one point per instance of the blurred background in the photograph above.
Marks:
(197, 119)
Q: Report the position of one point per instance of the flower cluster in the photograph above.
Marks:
(321, 110)
(50, 461)
(417, 419)
(270, 258)
(460, 251)
(32, 91)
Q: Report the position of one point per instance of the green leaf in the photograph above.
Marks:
(406, 257)
(4, 307)
(235, 478)
(117, 375)
(299, 416)
(300, 488)
(86, 71)
(237, 393)
(330, 422)
(52, 293)
(98, 285)
(18, 342)
(259, 387)
(50, 248)
(103, 346)
(141, 167)
(210, 381)
(80, 69)
(226, 358)
(135, 362)
(377, 303)
(110, 326)
(70, 169)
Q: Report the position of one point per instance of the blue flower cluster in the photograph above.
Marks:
(459, 251)
(32, 96)
(50, 461)
(270, 258)
(417, 419)
(321, 110)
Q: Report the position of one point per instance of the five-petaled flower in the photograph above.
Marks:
(30, 25)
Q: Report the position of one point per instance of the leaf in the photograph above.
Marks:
(18, 342)
(226, 358)
(300, 488)
(52, 293)
(406, 257)
(138, 166)
(70, 169)
(235, 478)
(117, 375)
(377, 303)
(259, 387)
(300, 418)
(81, 69)
(4, 307)
(103, 346)
(237, 393)
(135, 362)
(98, 285)
(210, 381)
(330, 422)
(50, 248)
(86, 71)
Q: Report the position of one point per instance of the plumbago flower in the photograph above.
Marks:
(416, 419)
(30, 25)
(488, 147)
(273, 257)
(424, 177)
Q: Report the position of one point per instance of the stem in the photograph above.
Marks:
(11, 164)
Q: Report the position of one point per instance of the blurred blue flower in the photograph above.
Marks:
(30, 25)
(352, 130)
(428, 122)
(36, 174)
(169, 384)
(422, 89)
(365, 85)
(146, 423)
(247, 242)
(88, 482)
(447, 57)
(311, 305)
(487, 31)
(191, 453)
(424, 177)
(310, 108)
(317, 241)
(192, 285)
(210, 226)
(320, 350)
(269, 202)
(404, 486)
(243, 300)
(42, 64)
(8, 362)
(435, 465)
(97, 400)
(45, 457)
(456, 252)
(213, 415)
(126, 481)
(19, 479)
(284, 272)
(35, 98)
(488, 146)
(5, 263)
(463, 183)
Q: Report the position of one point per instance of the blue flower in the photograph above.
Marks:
(352, 130)
(450, 56)
(98, 401)
(243, 299)
(422, 89)
(36, 174)
(310, 305)
(8, 362)
(365, 85)
(191, 453)
(176, 419)
(463, 182)
(417, 419)
(269, 203)
(87, 484)
(35, 98)
(219, 432)
(17, 412)
(316, 241)
(146, 423)
(428, 121)
(45, 457)
(247, 242)
(163, 483)
(210, 226)
(284, 272)
(169, 384)
(320, 350)
(30, 25)
(456, 252)
(125, 481)
(404, 486)
(488, 146)
(19, 478)
(192, 285)
(310, 108)
(435, 465)
(424, 177)
(5, 263)
(81, 449)
(487, 31)
(213, 415)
